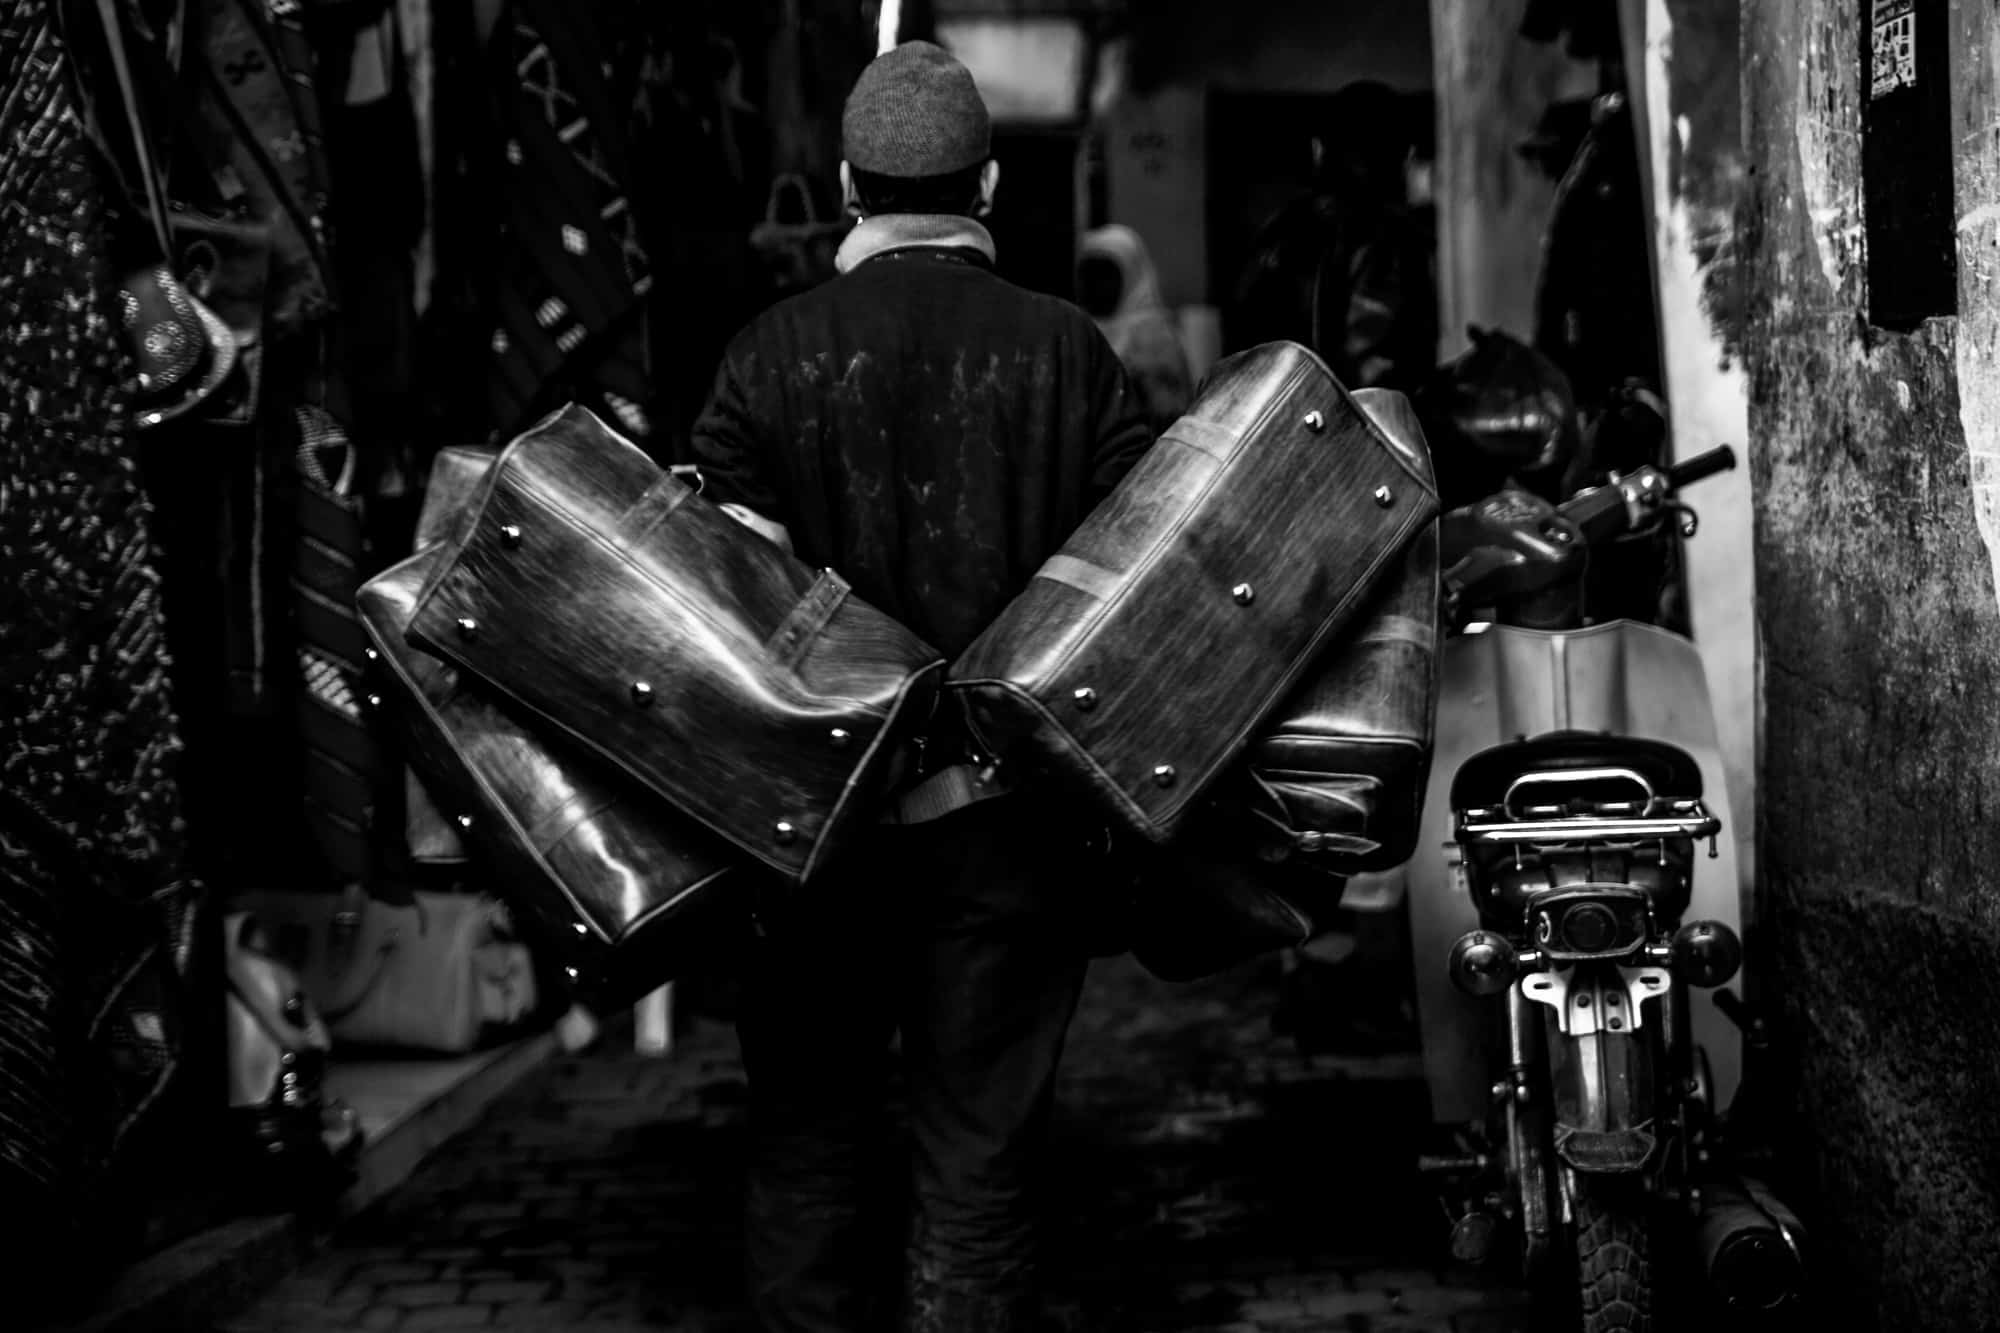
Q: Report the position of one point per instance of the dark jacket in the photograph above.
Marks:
(925, 428)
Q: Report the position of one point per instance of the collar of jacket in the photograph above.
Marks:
(883, 232)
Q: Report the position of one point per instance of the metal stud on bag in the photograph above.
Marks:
(642, 694)
(1244, 594)
(510, 535)
(1384, 496)
(1315, 421)
(1163, 775)
(467, 627)
(841, 738)
(785, 834)
(465, 821)
(1085, 697)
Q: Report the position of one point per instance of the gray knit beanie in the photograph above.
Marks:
(915, 111)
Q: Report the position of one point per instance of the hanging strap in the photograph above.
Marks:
(944, 792)
(142, 144)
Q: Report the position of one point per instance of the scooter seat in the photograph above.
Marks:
(1483, 780)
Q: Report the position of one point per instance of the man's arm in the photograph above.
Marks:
(727, 446)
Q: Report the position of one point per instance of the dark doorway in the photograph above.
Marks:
(1260, 158)
(1034, 213)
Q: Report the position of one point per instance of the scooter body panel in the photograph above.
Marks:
(1500, 684)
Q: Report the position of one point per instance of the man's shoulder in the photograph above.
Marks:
(872, 290)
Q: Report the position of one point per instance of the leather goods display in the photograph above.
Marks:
(1144, 656)
(619, 884)
(194, 316)
(439, 972)
(293, 1144)
(799, 250)
(1338, 774)
(633, 619)
(348, 778)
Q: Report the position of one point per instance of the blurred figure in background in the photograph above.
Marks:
(1342, 269)
(1119, 287)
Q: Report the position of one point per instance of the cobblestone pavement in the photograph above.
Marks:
(1210, 1179)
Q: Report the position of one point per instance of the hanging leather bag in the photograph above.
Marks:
(192, 313)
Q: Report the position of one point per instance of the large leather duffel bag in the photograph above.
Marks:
(1333, 785)
(456, 472)
(1337, 774)
(629, 618)
(626, 891)
(1142, 659)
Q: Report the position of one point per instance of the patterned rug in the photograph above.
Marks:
(95, 910)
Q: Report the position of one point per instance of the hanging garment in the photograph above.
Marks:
(261, 98)
(573, 266)
(95, 910)
(346, 773)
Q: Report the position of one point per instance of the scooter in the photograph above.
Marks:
(1574, 1036)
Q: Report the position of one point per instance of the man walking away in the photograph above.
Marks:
(934, 433)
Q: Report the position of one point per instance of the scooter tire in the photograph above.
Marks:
(1614, 1261)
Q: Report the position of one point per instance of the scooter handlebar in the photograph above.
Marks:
(1722, 458)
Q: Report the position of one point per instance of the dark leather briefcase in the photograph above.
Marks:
(625, 890)
(631, 619)
(1143, 658)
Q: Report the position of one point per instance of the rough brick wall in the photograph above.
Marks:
(1881, 644)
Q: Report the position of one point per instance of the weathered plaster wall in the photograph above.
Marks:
(1880, 850)
(1681, 62)
(1492, 205)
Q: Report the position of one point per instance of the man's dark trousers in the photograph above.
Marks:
(956, 935)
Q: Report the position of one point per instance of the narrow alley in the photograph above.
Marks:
(1207, 1177)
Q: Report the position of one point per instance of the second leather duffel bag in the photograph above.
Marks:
(634, 620)
(1143, 657)
(623, 889)
(1337, 774)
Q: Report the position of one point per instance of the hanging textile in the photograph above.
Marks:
(96, 914)
(575, 269)
(261, 98)
(346, 773)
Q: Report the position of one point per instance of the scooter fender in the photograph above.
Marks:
(1500, 684)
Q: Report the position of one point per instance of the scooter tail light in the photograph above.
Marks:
(1483, 963)
(1706, 953)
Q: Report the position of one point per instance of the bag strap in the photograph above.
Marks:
(142, 144)
(945, 792)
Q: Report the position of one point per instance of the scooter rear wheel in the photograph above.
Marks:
(1614, 1260)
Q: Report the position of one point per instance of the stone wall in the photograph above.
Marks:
(1881, 649)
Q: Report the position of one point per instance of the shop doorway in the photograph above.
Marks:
(1035, 212)
(1260, 158)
